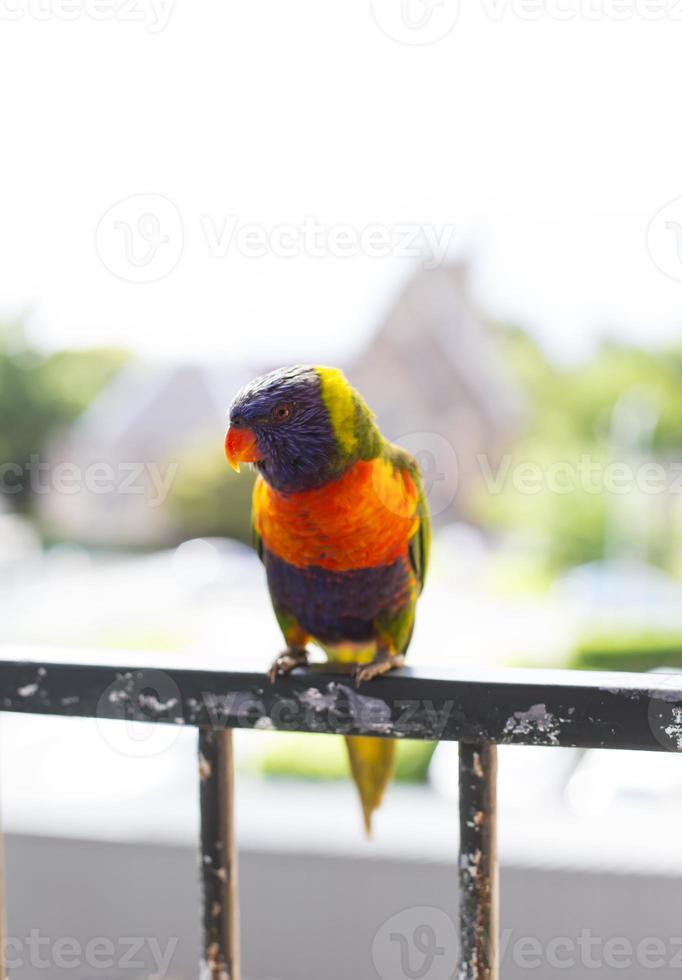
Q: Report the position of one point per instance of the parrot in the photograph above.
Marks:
(341, 523)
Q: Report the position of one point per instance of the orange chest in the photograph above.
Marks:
(363, 519)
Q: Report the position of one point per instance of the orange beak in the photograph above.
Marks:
(241, 446)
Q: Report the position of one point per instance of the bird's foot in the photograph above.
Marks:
(381, 664)
(285, 663)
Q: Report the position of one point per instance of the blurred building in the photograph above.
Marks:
(438, 387)
(134, 436)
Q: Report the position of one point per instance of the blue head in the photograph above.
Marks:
(301, 426)
(280, 423)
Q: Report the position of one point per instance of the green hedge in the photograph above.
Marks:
(629, 652)
(321, 757)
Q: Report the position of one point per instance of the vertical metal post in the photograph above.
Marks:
(3, 905)
(478, 877)
(3, 909)
(218, 856)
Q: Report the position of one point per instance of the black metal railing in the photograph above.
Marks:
(478, 709)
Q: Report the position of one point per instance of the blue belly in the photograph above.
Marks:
(338, 606)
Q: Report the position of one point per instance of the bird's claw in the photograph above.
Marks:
(377, 667)
(285, 663)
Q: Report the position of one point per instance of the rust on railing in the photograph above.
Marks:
(478, 874)
(218, 855)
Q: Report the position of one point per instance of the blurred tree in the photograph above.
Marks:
(570, 413)
(592, 390)
(72, 378)
(629, 650)
(39, 394)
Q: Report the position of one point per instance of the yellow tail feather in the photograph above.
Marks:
(371, 763)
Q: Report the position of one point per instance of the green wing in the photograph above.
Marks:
(420, 543)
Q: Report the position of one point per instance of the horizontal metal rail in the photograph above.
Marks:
(524, 707)
(478, 709)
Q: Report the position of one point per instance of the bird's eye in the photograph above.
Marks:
(280, 413)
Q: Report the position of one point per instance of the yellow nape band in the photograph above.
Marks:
(338, 399)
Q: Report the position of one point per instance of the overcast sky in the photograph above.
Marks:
(283, 167)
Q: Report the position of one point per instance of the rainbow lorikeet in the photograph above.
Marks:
(341, 524)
